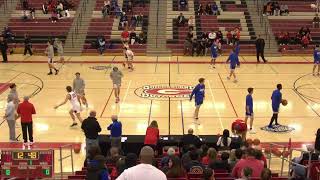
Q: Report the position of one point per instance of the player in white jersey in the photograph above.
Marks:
(75, 103)
(129, 56)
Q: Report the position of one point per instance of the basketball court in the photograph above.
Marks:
(158, 90)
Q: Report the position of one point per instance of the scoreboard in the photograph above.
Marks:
(27, 163)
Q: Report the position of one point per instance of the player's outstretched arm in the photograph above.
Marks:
(64, 102)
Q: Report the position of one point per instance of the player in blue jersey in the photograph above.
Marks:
(276, 99)
(234, 61)
(237, 48)
(249, 109)
(316, 58)
(198, 93)
(214, 53)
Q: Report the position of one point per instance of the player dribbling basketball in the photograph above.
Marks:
(75, 103)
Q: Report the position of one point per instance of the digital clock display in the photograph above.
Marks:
(25, 155)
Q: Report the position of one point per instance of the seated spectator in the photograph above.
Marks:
(25, 15)
(221, 164)
(60, 10)
(144, 170)
(261, 157)
(299, 173)
(246, 174)
(269, 9)
(45, 8)
(235, 156)
(210, 157)
(251, 162)
(101, 42)
(276, 8)
(54, 16)
(25, 4)
(229, 37)
(266, 174)
(200, 10)
(174, 168)
(114, 155)
(106, 9)
(194, 156)
(305, 41)
(133, 37)
(317, 141)
(214, 9)
(284, 11)
(181, 20)
(208, 9)
(32, 12)
(316, 21)
(187, 47)
(183, 4)
(165, 160)
(127, 162)
(236, 35)
(185, 158)
(125, 36)
(124, 20)
(189, 139)
(208, 174)
(191, 23)
(133, 22)
(140, 20)
(93, 151)
(203, 151)
(142, 38)
(129, 7)
(152, 135)
(96, 168)
(224, 141)
(118, 11)
(190, 35)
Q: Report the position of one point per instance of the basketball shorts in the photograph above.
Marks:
(198, 103)
(249, 114)
(80, 93)
(316, 62)
(232, 67)
(116, 85)
(50, 60)
(275, 109)
(76, 109)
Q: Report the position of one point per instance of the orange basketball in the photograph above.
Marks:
(284, 102)
(76, 148)
(256, 142)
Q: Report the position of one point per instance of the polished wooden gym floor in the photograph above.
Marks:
(224, 101)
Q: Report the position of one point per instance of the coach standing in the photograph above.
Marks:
(115, 132)
(25, 111)
(3, 49)
(91, 128)
(260, 49)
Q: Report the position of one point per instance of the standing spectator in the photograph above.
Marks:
(317, 141)
(181, 20)
(91, 128)
(45, 8)
(189, 139)
(260, 49)
(144, 170)
(251, 162)
(191, 23)
(10, 116)
(3, 49)
(25, 4)
(316, 21)
(25, 111)
(32, 12)
(27, 45)
(224, 141)
(115, 132)
(101, 44)
(175, 169)
(116, 77)
(229, 37)
(140, 20)
(305, 41)
(152, 135)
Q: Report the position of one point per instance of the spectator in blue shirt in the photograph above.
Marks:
(276, 99)
(234, 61)
(199, 93)
(115, 132)
(214, 8)
(316, 57)
(183, 4)
(249, 108)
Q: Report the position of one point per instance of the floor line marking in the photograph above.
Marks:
(244, 60)
(124, 98)
(307, 103)
(105, 106)
(178, 64)
(305, 59)
(169, 118)
(235, 112)
(214, 103)
(182, 117)
(156, 66)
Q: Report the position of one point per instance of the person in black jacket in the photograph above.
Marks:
(3, 49)
(189, 139)
(260, 49)
(317, 142)
(91, 128)
(27, 45)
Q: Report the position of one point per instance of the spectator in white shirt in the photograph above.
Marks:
(144, 170)
(224, 140)
(10, 116)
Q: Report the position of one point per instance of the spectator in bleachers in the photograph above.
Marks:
(249, 161)
(183, 4)
(25, 5)
(115, 132)
(298, 173)
(246, 174)
(276, 9)
(208, 9)
(32, 12)
(25, 15)
(181, 20)
(124, 20)
(165, 159)
(187, 47)
(91, 129)
(133, 22)
(222, 163)
(45, 8)
(101, 42)
(224, 141)
(144, 170)
(92, 152)
(140, 20)
(132, 37)
(125, 36)
(194, 161)
(235, 156)
(54, 16)
(152, 135)
(129, 7)
(174, 168)
(214, 9)
(113, 156)
(210, 157)
(266, 174)
(191, 23)
(142, 38)
(317, 141)
(117, 11)
(284, 10)
(27, 45)
(305, 41)
(59, 10)
(208, 174)
(269, 9)
(200, 10)
(236, 35)
(189, 139)
(127, 162)
(316, 21)
(96, 168)
(106, 9)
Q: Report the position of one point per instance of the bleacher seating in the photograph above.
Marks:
(110, 28)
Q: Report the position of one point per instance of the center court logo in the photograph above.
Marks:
(164, 91)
